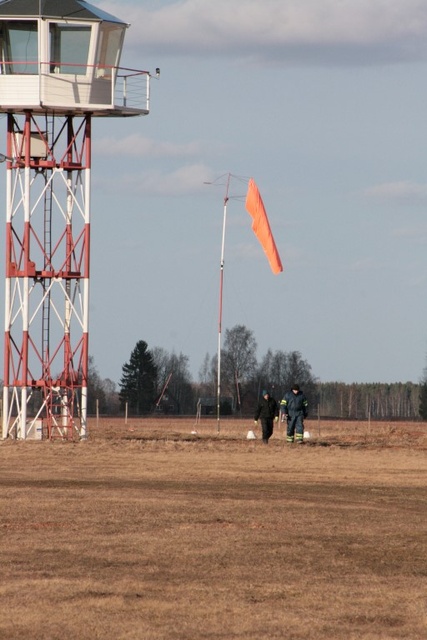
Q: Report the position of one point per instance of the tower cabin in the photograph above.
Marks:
(62, 57)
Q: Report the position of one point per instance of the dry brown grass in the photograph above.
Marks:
(146, 531)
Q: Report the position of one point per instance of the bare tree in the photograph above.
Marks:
(161, 360)
(279, 370)
(238, 361)
(174, 381)
(207, 377)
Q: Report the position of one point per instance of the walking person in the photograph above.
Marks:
(268, 411)
(294, 407)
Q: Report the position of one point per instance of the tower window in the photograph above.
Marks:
(69, 48)
(19, 47)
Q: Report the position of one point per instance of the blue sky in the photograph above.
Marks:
(324, 104)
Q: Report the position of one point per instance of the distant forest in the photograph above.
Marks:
(155, 381)
(173, 391)
(379, 401)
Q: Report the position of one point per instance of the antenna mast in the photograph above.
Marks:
(221, 287)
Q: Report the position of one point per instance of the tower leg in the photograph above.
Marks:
(47, 277)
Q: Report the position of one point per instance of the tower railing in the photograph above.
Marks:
(55, 85)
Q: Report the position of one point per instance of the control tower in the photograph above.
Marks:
(59, 68)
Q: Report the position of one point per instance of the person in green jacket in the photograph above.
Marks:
(294, 408)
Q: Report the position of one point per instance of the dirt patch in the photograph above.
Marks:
(149, 531)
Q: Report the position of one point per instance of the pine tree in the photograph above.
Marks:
(138, 381)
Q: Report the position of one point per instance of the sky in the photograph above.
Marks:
(324, 104)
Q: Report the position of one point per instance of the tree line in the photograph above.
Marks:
(156, 381)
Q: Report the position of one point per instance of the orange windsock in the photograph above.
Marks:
(261, 226)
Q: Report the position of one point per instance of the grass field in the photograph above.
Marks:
(147, 531)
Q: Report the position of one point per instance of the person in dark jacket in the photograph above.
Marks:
(268, 411)
(294, 407)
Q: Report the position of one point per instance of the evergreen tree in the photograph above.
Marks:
(138, 381)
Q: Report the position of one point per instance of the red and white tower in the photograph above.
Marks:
(58, 70)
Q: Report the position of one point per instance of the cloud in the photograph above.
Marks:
(185, 180)
(137, 145)
(364, 264)
(312, 32)
(415, 232)
(401, 192)
(246, 250)
(404, 194)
